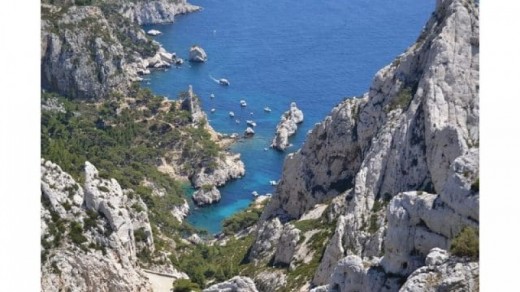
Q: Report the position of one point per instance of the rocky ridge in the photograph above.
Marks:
(398, 166)
(287, 127)
(90, 234)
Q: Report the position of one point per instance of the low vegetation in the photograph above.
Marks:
(466, 243)
(125, 138)
(213, 262)
(402, 100)
(241, 220)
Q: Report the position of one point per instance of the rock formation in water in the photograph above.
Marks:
(90, 234)
(92, 51)
(287, 127)
(398, 168)
(206, 195)
(197, 54)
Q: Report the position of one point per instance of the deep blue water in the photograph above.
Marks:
(274, 52)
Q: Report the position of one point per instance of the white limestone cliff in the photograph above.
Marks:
(287, 127)
(399, 163)
(87, 235)
(238, 283)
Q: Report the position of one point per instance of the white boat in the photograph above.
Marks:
(231, 114)
(251, 123)
(212, 95)
(243, 103)
(273, 182)
(223, 81)
(153, 32)
(267, 109)
(212, 110)
(237, 121)
(254, 193)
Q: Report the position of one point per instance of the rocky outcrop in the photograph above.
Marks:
(268, 235)
(191, 104)
(444, 273)
(441, 272)
(90, 234)
(249, 132)
(181, 211)
(286, 247)
(238, 284)
(227, 168)
(402, 158)
(197, 54)
(155, 11)
(268, 281)
(287, 127)
(206, 195)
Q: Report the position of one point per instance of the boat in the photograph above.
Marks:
(267, 109)
(153, 32)
(273, 182)
(231, 114)
(179, 61)
(243, 103)
(212, 95)
(251, 123)
(254, 193)
(212, 110)
(223, 81)
(237, 121)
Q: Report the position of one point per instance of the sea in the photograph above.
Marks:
(274, 52)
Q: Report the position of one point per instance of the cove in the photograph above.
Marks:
(315, 53)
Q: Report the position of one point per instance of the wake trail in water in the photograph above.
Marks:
(214, 79)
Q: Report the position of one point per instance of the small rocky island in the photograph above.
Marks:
(197, 54)
(206, 195)
(287, 127)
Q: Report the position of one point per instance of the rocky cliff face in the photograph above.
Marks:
(155, 11)
(91, 51)
(399, 163)
(90, 234)
(243, 284)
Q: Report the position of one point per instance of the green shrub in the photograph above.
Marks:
(103, 189)
(207, 187)
(241, 220)
(466, 243)
(306, 225)
(140, 234)
(475, 185)
(402, 100)
(373, 227)
(76, 233)
(185, 285)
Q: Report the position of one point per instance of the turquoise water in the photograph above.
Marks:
(274, 52)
